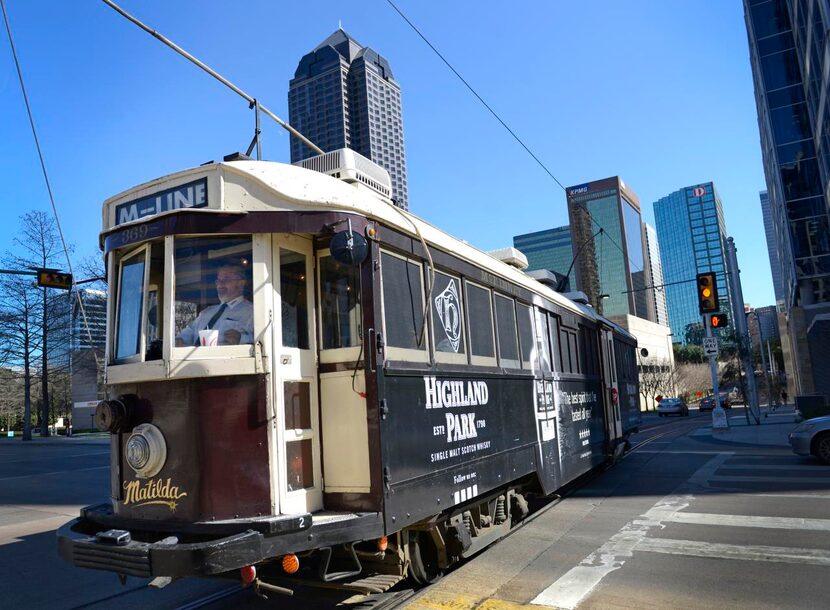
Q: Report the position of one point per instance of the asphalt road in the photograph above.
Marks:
(685, 521)
(44, 484)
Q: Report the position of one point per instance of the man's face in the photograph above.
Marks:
(229, 285)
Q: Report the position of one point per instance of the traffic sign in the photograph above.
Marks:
(710, 346)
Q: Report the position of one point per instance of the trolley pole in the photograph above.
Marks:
(719, 420)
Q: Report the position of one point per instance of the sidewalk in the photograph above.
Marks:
(97, 438)
(772, 430)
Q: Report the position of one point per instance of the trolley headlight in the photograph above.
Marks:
(146, 451)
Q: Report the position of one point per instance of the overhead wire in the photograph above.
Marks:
(46, 179)
(499, 119)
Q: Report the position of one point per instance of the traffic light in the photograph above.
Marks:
(718, 320)
(707, 293)
(49, 278)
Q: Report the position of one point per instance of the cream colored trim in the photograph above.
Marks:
(270, 186)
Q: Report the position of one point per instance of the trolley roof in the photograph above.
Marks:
(248, 186)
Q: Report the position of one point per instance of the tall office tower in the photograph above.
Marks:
(772, 247)
(768, 321)
(547, 250)
(788, 53)
(692, 238)
(343, 95)
(610, 266)
(658, 294)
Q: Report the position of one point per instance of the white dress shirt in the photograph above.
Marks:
(238, 316)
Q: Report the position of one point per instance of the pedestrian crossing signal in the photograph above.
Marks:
(707, 293)
(718, 320)
(48, 278)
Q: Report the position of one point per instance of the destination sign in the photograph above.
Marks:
(190, 195)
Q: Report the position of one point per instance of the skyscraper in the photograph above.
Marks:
(610, 265)
(658, 294)
(547, 250)
(692, 236)
(343, 95)
(788, 54)
(772, 247)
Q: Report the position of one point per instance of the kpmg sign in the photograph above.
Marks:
(578, 190)
(190, 195)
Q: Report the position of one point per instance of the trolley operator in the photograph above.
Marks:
(232, 317)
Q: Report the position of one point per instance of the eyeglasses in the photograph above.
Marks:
(228, 280)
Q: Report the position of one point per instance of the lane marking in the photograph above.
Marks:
(569, 590)
(782, 479)
(747, 552)
(56, 457)
(46, 474)
(785, 523)
(778, 467)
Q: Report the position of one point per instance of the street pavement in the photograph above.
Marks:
(690, 519)
(693, 519)
(43, 484)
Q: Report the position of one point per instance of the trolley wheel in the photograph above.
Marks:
(423, 559)
(822, 448)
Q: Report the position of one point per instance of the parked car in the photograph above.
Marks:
(812, 437)
(672, 406)
(707, 403)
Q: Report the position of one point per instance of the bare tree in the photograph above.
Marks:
(656, 377)
(25, 324)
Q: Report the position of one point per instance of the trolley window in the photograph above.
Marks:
(542, 341)
(524, 318)
(294, 299)
(554, 343)
(506, 328)
(403, 307)
(340, 310)
(131, 302)
(213, 295)
(448, 320)
(480, 325)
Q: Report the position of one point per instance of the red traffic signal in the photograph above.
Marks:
(48, 278)
(707, 293)
(718, 320)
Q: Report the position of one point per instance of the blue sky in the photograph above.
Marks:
(659, 93)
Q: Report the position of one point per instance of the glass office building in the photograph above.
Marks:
(610, 265)
(658, 293)
(788, 51)
(549, 250)
(692, 235)
(343, 95)
(772, 247)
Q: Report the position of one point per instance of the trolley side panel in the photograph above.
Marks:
(448, 438)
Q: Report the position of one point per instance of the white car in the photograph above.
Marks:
(812, 437)
(672, 406)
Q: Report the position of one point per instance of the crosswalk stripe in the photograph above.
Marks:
(747, 552)
(785, 523)
(811, 467)
(754, 479)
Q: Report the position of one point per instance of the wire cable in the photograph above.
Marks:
(497, 117)
(475, 93)
(46, 178)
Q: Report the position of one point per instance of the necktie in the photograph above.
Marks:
(213, 320)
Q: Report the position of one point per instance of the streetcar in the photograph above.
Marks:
(298, 371)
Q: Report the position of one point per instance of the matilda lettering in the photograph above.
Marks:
(158, 491)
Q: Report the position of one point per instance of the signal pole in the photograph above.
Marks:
(741, 330)
(719, 420)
